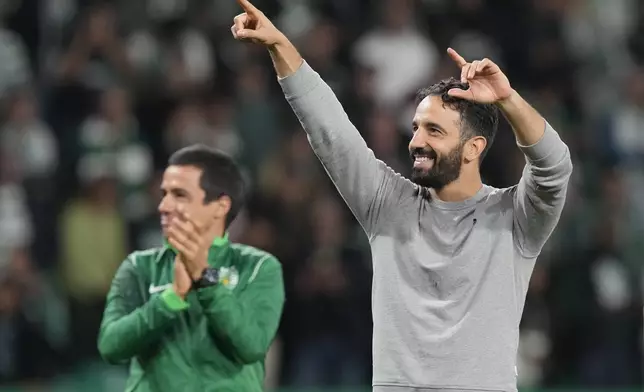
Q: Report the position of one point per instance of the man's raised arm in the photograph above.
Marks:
(364, 182)
(541, 193)
(540, 196)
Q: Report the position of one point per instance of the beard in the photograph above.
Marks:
(444, 171)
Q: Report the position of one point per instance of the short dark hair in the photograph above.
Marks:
(220, 175)
(477, 119)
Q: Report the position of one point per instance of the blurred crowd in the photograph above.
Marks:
(95, 96)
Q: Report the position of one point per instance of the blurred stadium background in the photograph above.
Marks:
(96, 95)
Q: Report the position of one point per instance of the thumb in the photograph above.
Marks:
(248, 33)
(459, 93)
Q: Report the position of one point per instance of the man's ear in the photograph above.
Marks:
(223, 205)
(474, 148)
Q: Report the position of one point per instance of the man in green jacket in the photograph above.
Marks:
(200, 313)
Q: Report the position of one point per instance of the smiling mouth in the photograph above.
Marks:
(423, 162)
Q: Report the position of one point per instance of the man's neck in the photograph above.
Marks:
(214, 233)
(463, 188)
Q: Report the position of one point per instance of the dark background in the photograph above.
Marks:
(94, 96)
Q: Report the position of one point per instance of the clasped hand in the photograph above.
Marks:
(190, 239)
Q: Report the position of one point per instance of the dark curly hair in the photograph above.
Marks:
(476, 119)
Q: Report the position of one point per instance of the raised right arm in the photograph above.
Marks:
(364, 182)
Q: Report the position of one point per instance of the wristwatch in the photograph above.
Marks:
(209, 277)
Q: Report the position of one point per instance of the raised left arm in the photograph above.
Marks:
(541, 193)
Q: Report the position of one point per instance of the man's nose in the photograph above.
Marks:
(416, 141)
(165, 205)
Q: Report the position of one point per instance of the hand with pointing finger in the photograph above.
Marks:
(488, 84)
(252, 25)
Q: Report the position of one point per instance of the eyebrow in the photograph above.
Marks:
(430, 124)
(175, 191)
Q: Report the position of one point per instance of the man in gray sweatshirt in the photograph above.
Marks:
(452, 257)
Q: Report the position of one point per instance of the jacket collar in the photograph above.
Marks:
(218, 247)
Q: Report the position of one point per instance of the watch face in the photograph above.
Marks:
(211, 275)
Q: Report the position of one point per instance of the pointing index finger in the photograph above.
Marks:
(458, 59)
(248, 7)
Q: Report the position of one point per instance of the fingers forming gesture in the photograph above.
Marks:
(487, 83)
(252, 25)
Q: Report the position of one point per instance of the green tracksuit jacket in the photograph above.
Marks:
(215, 340)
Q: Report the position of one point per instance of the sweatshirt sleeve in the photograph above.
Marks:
(364, 182)
(130, 325)
(541, 193)
(245, 324)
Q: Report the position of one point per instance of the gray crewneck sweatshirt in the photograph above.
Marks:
(449, 278)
